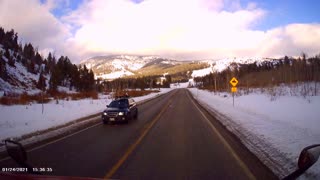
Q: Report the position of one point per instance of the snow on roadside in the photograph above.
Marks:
(276, 131)
(18, 120)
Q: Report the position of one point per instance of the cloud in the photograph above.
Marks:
(34, 23)
(290, 40)
(159, 27)
(172, 28)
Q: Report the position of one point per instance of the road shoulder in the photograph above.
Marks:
(256, 166)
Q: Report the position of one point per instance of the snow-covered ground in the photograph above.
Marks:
(22, 78)
(202, 72)
(276, 131)
(19, 120)
(114, 75)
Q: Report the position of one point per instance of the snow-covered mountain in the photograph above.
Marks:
(111, 67)
(118, 62)
(116, 66)
(222, 64)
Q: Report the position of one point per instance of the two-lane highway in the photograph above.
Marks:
(173, 138)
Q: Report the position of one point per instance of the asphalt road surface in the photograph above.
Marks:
(173, 138)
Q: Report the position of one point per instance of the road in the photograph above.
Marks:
(173, 138)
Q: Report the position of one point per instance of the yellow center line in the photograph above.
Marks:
(226, 144)
(133, 146)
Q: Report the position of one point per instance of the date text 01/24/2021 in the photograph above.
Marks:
(26, 169)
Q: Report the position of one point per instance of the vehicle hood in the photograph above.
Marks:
(115, 109)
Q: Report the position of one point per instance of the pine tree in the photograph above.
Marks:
(91, 81)
(62, 71)
(2, 33)
(28, 51)
(38, 59)
(8, 40)
(15, 42)
(41, 84)
(51, 63)
(3, 70)
(55, 79)
(83, 86)
(7, 54)
(75, 77)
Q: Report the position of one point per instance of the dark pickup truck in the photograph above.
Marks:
(120, 110)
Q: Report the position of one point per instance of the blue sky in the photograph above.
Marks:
(282, 12)
(64, 7)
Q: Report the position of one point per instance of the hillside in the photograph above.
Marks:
(17, 78)
(23, 69)
(263, 73)
(116, 66)
(108, 64)
(112, 67)
(222, 64)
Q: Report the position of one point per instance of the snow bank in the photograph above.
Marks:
(18, 120)
(276, 131)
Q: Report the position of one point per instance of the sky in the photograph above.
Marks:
(177, 29)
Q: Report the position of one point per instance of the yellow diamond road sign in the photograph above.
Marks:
(233, 81)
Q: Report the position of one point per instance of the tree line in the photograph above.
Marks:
(57, 72)
(142, 83)
(275, 72)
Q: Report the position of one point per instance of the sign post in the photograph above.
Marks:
(234, 83)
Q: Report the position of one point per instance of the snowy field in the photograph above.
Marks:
(276, 131)
(19, 120)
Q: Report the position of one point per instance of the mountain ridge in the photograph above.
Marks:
(118, 66)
